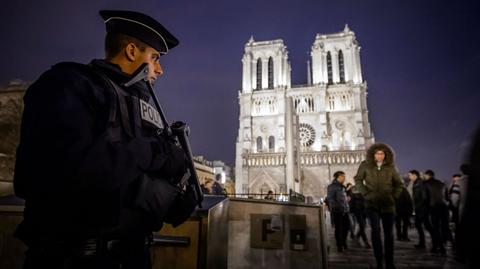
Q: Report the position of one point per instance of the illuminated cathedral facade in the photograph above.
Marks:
(294, 137)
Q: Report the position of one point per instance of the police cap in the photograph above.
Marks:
(140, 26)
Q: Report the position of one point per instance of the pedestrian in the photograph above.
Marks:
(351, 217)
(463, 183)
(437, 211)
(338, 207)
(208, 186)
(357, 208)
(204, 189)
(420, 204)
(378, 181)
(217, 188)
(454, 195)
(269, 195)
(96, 178)
(404, 210)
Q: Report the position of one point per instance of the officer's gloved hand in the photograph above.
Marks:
(182, 208)
(169, 162)
(155, 197)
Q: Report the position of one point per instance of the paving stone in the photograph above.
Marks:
(406, 256)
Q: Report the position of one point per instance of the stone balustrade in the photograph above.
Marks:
(264, 159)
(332, 157)
(306, 158)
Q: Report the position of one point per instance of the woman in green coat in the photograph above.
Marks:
(378, 180)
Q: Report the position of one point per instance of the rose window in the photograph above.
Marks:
(306, 134)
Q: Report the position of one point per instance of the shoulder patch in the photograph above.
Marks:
(150, 114)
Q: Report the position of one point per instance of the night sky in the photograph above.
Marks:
(420, 58)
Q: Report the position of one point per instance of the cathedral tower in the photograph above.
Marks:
(296, 136)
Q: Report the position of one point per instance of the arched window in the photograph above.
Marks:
(329, 68)
(331, 102)
(259, 74)
(259, 144)
(271, 143)
(344, 101)
(341, 67)
(270, 73)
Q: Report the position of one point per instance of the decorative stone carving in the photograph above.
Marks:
(263, 128)
(340, 125)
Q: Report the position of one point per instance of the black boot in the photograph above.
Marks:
(390, 266)
(420, 246)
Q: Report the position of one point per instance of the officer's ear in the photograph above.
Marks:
(131, 52)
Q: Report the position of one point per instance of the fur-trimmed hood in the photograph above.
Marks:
(389, 154)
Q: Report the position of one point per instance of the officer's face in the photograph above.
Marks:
(135, 57)
(152, 57)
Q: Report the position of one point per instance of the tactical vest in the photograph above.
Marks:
(138, 118)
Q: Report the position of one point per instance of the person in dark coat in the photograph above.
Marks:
(454, 197)
(353, 222)
(95, 176)
(469, 220)
(404, 209)
(338, 206)
(378, 181)
(420, 207)
(217, 188)
(437, 211)
(357, 208)
(269, 195)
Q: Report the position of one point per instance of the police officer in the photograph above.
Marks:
(95, 176)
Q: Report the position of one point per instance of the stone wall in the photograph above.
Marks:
(317, 178)
(11, 108)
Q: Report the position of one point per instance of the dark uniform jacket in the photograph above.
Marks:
(337, 197)
(83, 166)
(380, 186)
(404, 203)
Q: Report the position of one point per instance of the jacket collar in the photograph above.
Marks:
(115, 73)
(335, 181)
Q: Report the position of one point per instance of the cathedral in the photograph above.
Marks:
(294, 137)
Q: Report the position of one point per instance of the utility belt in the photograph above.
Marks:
(101, 246)
(90, 248)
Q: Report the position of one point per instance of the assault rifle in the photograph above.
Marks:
(178, 132)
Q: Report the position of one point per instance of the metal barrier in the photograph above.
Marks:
(292, 196)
